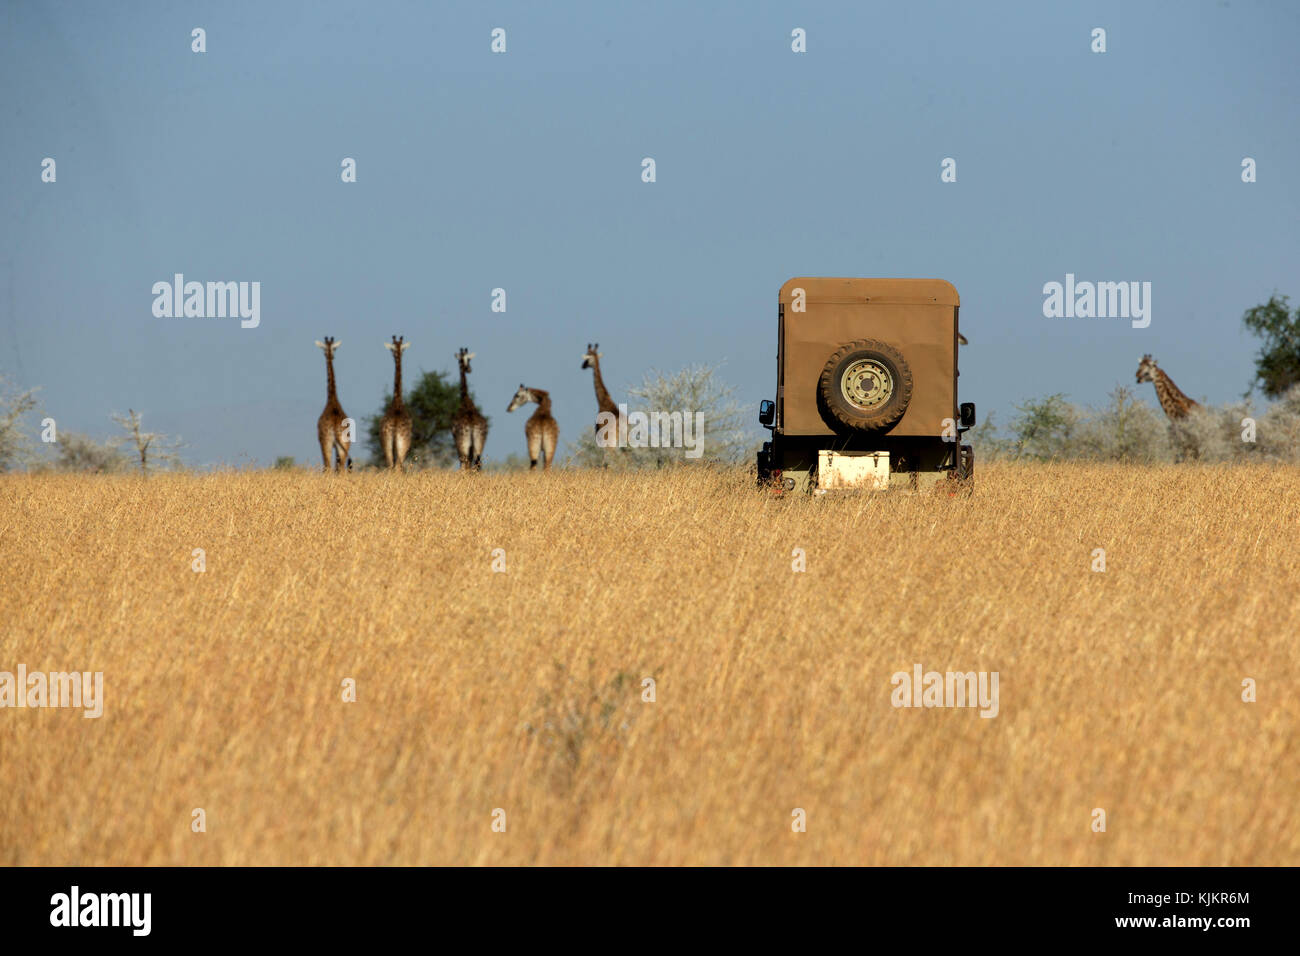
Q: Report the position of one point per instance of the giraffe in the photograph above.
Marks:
(332, 427)
(1177, 406)
(541, 429)
(395, 427)
(591, 360)
(468, 427)
(1172, 400)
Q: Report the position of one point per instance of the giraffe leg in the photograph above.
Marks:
(326, 441)
(402, 442)
(548, 446)
(462, 440)
(479, 438)
(534, 436)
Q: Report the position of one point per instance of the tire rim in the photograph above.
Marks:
(867, 384)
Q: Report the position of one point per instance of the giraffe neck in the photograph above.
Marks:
(466, 403)
(330, 394)
(1172, 399)
(603, 401)
(543, 400)
(397, 379)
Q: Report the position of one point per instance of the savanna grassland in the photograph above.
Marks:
(522, 690)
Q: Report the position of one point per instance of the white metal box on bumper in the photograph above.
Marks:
(838, 470)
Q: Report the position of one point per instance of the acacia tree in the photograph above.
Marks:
(1277, 366)
(695, 389)
(432, 404)
(14, 405)
(83, 454)
(1044, 428)
(150, 446)
(1124, 429)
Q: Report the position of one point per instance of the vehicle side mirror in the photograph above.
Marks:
(967, 410)
(766, 412)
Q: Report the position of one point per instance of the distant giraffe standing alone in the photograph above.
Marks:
(468, 427)
(541, 430)
(331, 427)
(591, 360)
(1177, 405)
(395, 427)
(1172, 400)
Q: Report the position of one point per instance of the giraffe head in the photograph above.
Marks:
(329, 346)
(522, 397)
(397, 346)
(590, 357)
(1146, 369)
(462, 359)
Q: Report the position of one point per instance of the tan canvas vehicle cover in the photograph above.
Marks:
(916, 316)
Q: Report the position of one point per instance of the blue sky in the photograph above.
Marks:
(522, 170)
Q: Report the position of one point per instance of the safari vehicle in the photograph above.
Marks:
(866, 388)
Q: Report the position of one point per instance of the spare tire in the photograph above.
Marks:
(866, 386)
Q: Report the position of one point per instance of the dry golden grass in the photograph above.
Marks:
(479, 690)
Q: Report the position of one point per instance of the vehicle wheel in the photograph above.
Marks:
(866, 385)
